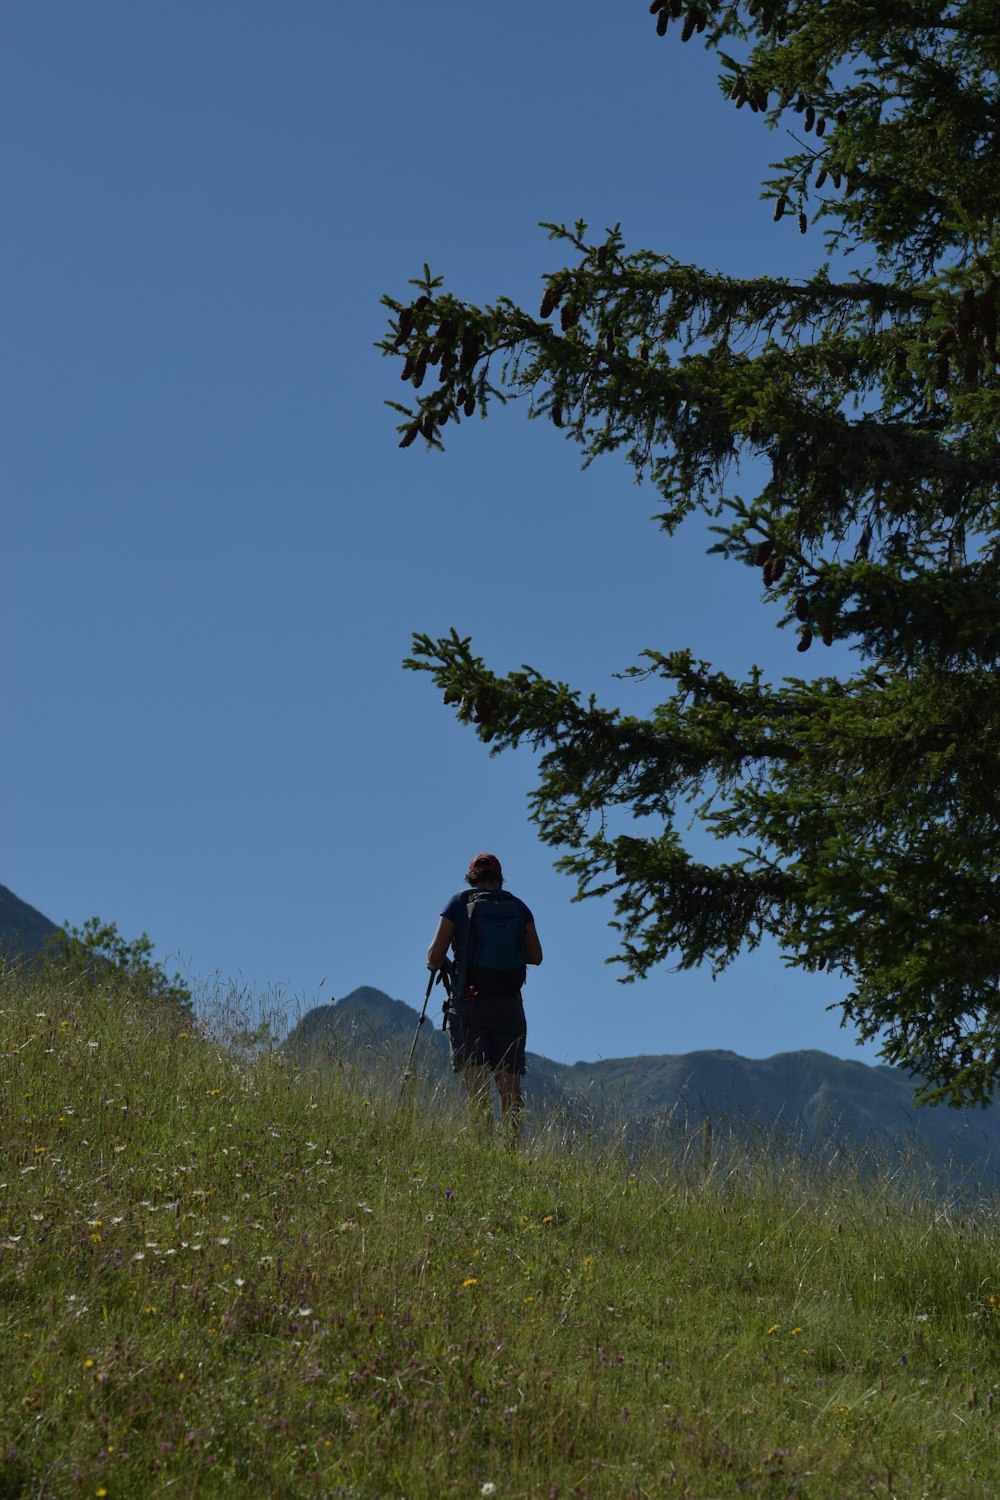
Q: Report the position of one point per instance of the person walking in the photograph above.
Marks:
(492, 935)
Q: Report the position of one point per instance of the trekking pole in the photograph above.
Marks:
(444, 976)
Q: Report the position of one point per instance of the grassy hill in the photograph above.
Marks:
(222, 1274)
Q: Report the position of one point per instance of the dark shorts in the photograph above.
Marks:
(488, 1033)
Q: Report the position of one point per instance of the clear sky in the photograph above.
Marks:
(214, 552)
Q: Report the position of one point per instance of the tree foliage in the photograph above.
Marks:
(862, 410)
(97, 952)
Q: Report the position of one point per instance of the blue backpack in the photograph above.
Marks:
(494, 945)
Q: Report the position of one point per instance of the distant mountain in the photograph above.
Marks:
(805, 1095)
(23, 930)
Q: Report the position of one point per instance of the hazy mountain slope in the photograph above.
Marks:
(23, 930)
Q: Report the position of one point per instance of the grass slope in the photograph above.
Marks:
(223, 1276)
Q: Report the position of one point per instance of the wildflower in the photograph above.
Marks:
(471, 1281)
(549, 1219)
(88, 1364)
(773, 1329)
(489, 1488)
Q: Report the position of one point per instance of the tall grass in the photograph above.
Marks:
(222, 1275)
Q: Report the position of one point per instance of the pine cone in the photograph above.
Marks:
(420, 369)
(803, 223)
(470, 350)
(689, 25)
(802, 608)
(805, 639)
(777, 568)
(763, 551)
(779, 208)
(662, 20)
(570, 316)
(821, 125)
(944, 340)
(405, 323)
(427, 426)
(409, 435)
(826, 632)
(484, 706)
(422, 301)
(941, 372)
(557, 415)
(451, 696)
(810, 119)
(408, 366)
(550, 301)
(820, 178)
(469, 405)
(449, 360)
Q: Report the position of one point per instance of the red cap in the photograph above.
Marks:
(484, 864)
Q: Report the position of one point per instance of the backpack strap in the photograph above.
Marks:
(462, 953)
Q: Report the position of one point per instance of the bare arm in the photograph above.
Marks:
(438, 950)
(532, 947)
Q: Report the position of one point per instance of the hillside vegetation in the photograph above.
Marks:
(223, 1275)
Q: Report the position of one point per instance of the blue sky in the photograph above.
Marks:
(214, 552)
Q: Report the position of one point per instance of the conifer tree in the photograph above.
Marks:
(867, 804)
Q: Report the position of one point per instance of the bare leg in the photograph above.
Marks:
(511, 1105)
(477, 1084)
